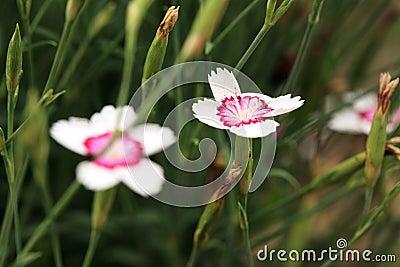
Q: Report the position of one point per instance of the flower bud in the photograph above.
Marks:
(102, 203)
(72, 9)
(101, 19)
(376, 141)
(206, 21)
(155, 55)
(14, 61)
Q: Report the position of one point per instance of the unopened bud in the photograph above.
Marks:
(102, 203)
(376, 141)
(102, 19)
(14, 61)
(206, 21)
(155, 55)
(72, 9)
(386, 89)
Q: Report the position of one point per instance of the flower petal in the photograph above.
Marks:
(284, 104)
(73, 132)
(95, 177)
(223, 84)
(255, 130)
(206, 112)
(348, 121)
(266, 98)
(365, 102)
(108, 116)
(153, 137)
(145, 178)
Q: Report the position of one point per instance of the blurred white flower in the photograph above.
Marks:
(357, 119)
(244, 114)
(126, 160)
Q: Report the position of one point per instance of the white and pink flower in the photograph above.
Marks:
(244, 114)
(357, 119)
(125, 160)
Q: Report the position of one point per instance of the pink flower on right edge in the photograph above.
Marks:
(357, 119)
(244, 114)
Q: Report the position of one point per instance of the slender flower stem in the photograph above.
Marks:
(313, 19)
(74, 63)
(55, 241)
(53, 214)
(39, 14)
(299, 60)
(242, 205)
(367, 204)
(193, 255)
(257, 40)
(94, 240)
(231, 26)
(59, 57)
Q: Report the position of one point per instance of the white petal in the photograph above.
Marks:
(73, 132)
(153, 137)
(365, 102)
(206, 111)
(146, 178)
(348, 121)
(95, 177)
(223, 84)
(108, 116)
(266, 98)
(255, 130)
(284, 104)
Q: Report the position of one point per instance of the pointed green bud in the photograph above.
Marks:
(313, 18)
(376, 141)
(14, 61)
(269, 14)
(155, 55)
(204, 25)
(72, 9)
(102, 203)
(281, 10)
(101, 19)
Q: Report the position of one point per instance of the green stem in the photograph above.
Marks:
(8, 216)
(230, 27)
(42, 10)
(55, 242)
(59, 57)
(94, 240)
(250, 50)
(193, 255)
(367, 204)
(299, 60)
(74, 63)
(313, 19)
(244, 185)
(53, 214)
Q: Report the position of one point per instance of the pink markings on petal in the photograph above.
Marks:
(237, 111)
(114, 155)
(368, 114)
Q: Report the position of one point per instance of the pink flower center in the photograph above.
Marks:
(114, 155)
(368, 114)
(237, 111)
